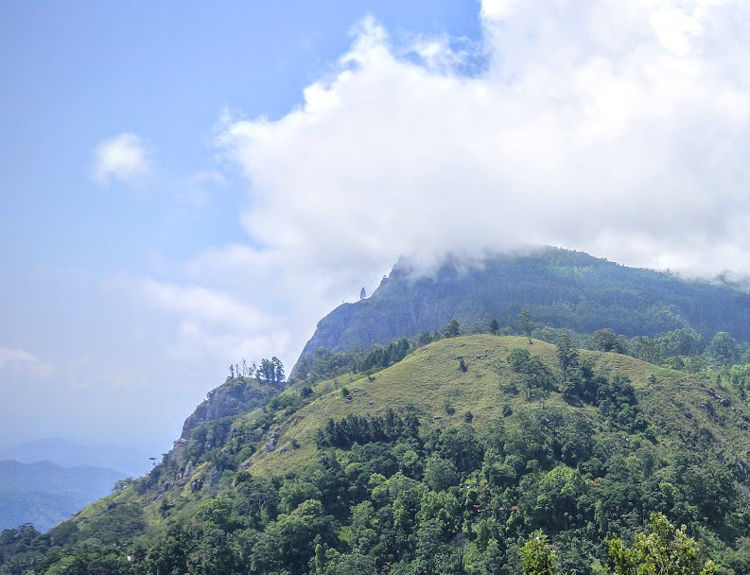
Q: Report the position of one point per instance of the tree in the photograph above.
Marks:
(494, 327)
(536, 556)
(123, 484)
(267, 371)
(270, 370)
(536, 376)
(606, 340)
(567, 355)
(647, 349)
(423, 339)
(440, 474)
(561, 491)
(724, 349)
(519, 359)
(665, 549)
(362, 294)
(278, 370)
(685, 341)
(355, 564)
(452, 329)
(526, 323)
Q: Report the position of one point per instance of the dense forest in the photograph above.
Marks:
(469, 454)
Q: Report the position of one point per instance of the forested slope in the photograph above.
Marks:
(561, 288)
(446, 462)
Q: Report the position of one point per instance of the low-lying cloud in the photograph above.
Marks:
(213, 324)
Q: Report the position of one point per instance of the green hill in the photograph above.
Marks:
(430, 379)
(444, 462)
(561, 288)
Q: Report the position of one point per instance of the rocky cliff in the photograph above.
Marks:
(561, 288)
(236, 396)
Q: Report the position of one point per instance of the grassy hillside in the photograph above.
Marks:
(465, 447)
(430, 380)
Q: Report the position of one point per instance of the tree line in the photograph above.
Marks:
(269, 370)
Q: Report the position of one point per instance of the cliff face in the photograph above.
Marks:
(232, 398)
(561, 288)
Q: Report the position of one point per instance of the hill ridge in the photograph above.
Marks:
(448, 458)
(562, 288)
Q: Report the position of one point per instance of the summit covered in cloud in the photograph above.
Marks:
(619, 128)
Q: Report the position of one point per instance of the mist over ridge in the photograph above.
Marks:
(563, 289)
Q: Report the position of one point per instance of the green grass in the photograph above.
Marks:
(430, 379)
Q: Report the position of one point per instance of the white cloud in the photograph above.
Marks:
(675, 29)
(497, 9)
(588, 128)
(20, 361)
(620, 128)
(122, 158)
(208, 306)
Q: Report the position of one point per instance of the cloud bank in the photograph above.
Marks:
(122, 158)
(619, 128)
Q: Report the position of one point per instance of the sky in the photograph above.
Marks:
(187, 184)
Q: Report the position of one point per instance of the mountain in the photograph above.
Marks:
(42, 510)
(444, 462)
(71, 454)
(561, 288)
(461, 454)
(44, 494)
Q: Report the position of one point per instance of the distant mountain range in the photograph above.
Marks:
(45, 494)
(71, 454)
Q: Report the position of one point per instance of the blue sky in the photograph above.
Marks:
(76, 74)
(184, 185)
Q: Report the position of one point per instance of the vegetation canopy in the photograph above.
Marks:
(378, 476)
(557, 414)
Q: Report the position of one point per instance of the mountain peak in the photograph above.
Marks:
(562, 289)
